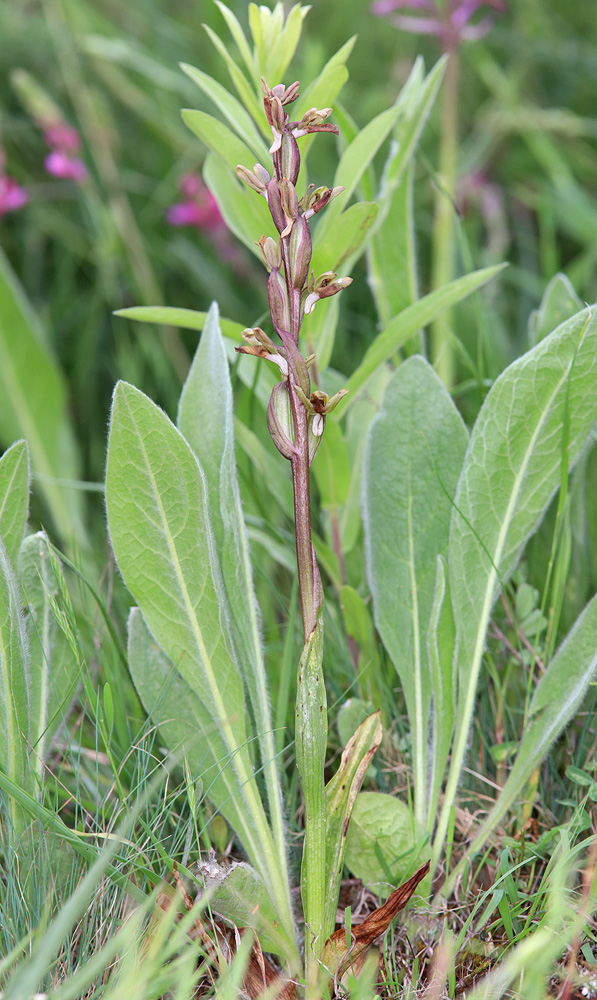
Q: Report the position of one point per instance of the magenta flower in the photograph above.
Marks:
(199, 208)
(64, 141)
(452, 25)
(59, 164)
(12, 195)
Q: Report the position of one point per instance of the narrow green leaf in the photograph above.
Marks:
(239, 37)
(441, 642)
(413, 456)
(233, 111)
(189, 319)
(340, 794)
(400, 329)
(244, 89)
(14, 683)
(244, 212)
(346, 238)
(14, 497)
(512, 469)
(391, 254)
(289, 40)
(33, 404)
(54, 670)
(354, 161)
(331, 468)
(558, 696)
(324, 89)
(217, 137)
(205, 417)
(311, 743)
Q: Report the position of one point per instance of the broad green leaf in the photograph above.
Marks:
(33, 404)
(559, 303)
(205, 417)
(15, 691)
(310, 746)
(189, 319)
(217, 137)
(53, 670)
(354, 161)
(340, 794)
(413, 456)
(346, 238)
(512, 469)
(403, 326)
(331, 468)
(558, 696)
(233, 111)
(158, 516)
(243, 88)
(14, 497)
(238, 894)
(244, 211)
(380, 825)
(239, 37)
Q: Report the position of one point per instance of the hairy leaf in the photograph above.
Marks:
(14, 497)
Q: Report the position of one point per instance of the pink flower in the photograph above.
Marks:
(59, 164)
(199, 208)
(12, 195)
(59, 135)
(451, 25)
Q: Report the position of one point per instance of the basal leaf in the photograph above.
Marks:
(14, 682)
(205, 417)
(413, 457)
(512, 469)
(14, 497)
(380, 825)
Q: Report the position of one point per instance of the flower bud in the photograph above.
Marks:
(290, 158)
(275, 205)
(251, 179)
(279, 421)
(300, 252)
(277, 297)
(271, 253)
(326, 285)
(317, 198)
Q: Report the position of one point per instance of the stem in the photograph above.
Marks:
(442, 268)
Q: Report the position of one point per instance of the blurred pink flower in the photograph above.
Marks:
(199, 208)
(12, 195)
(451, 25)
(60, 164)
(64, 141)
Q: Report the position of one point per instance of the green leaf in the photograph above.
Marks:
(400, 329)
(512, 469)
(239, 37)
(288, 42)
(54, 670)
(354, 161)
(340, 794)
(238, 894)
(218, 138)
(391, 254)
(14, 497)
(413, 457)
(558, 696)
(311, 744)
(244, 212)
(380, 825)
(233, 111)
(325, 88)
(33, 404)
(14, 685)
(331, 468)
(244, 89)
(559, 303)
(578, 776)
(205, 417)
(158, 516)
(189, 319)
(345, 239)
(441, 641)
